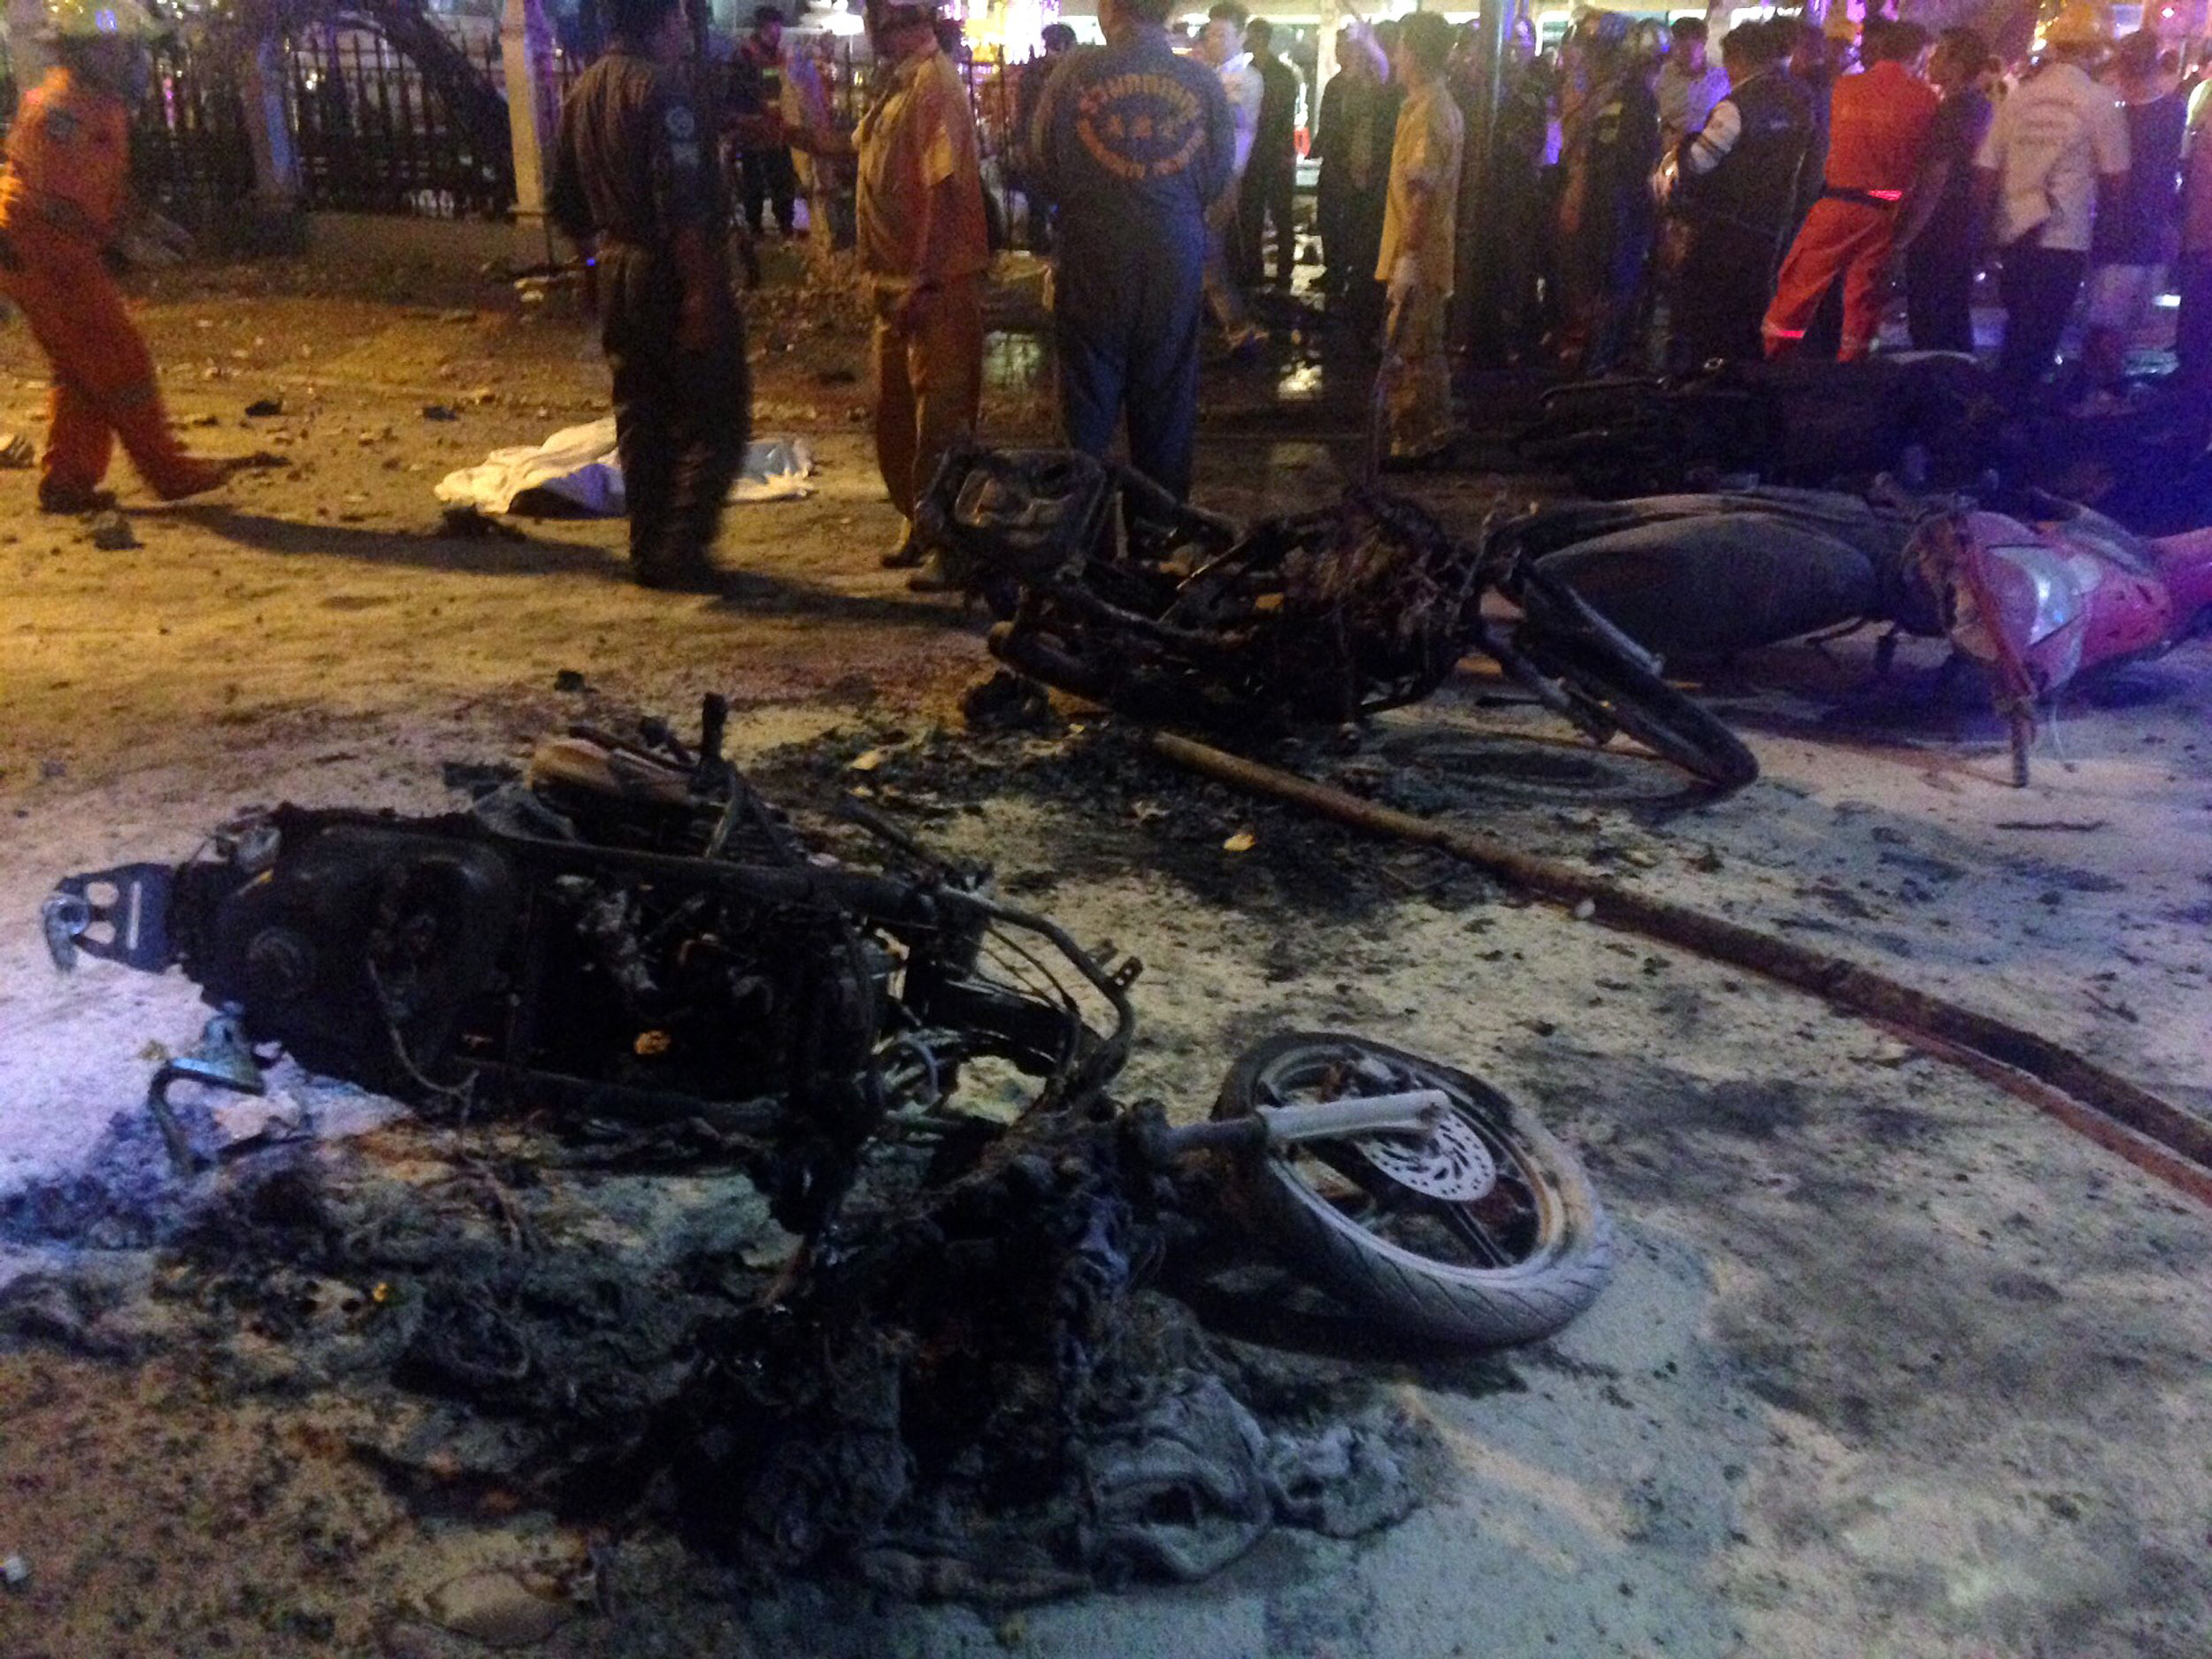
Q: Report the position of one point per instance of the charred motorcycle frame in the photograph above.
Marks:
(634, 936)
(1113, 590)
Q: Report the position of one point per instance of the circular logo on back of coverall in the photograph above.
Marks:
(1140, 127)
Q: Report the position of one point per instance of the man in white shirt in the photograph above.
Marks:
(1690, 84)
(1222, 46)
(2056, 141)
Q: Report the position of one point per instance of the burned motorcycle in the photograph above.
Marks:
(1113, 590)
(634, 936)
(2038, 598)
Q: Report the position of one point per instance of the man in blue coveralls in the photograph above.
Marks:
(1134, 144)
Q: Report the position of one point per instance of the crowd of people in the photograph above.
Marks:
(1646, 195)
(1645, 206)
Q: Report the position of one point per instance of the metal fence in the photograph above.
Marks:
(374, 133)
(188, 140)
(188, 144)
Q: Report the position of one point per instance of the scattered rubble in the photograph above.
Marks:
(110, 532)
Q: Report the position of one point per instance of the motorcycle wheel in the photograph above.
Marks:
(1598, 669)
(1489, 1236)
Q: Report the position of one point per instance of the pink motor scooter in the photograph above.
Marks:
(2039, 597)
(2041, 605)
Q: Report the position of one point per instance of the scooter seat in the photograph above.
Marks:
(578, 764)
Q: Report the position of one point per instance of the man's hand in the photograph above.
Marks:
(1405, 279)
(698, 324)
(913, 310)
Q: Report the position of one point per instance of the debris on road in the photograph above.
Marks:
(500, 1610)
(110, 532)
(473, 524)
(713, 997)
(2170, 1141)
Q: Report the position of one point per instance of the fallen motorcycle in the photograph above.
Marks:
(1935, 416)
(1935, 419)
(1113, 590)
(634, 935)
(2038, 598)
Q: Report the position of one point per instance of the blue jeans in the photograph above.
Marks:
(1127, 332)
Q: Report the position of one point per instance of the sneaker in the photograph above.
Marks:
(73, 498)
(204, 475)
(934, 577)
(1246, 342)
(908, 552)
(1436, 453)
(678, 579)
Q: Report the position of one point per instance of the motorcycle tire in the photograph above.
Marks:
(1376, 1222)
(1600, 671)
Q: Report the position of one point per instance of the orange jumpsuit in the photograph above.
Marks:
(1878, 125)
(61, 197)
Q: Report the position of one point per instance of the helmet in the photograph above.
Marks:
(1839, 26)
(125, 21)
(2079, 23)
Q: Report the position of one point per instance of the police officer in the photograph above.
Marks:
(635, 188)
(1739, 191)
(1136, 146)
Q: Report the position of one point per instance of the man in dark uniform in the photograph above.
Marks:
(1136, 145)
(1271, 178)
(635, 188)
(1940, 234)
(1739, 191)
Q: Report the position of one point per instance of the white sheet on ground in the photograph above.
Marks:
(575, 470)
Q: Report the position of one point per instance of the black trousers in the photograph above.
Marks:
(1727, 280)
(2040, 286)
(768, 175)
(2193, 330)
(1352, 251)
(1268, 193)
(681, 419)
(1939, 293)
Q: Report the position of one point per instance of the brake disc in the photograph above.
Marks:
(1449, 1162)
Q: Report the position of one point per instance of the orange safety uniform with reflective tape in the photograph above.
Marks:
(62, 197)
(1878, 125)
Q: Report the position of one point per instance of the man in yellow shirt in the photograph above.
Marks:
(1418, 228)
(923, 242)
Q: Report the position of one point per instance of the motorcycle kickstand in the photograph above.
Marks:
(222, 1059)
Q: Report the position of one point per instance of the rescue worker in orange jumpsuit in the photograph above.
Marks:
(1878, 128)
(63, 198)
